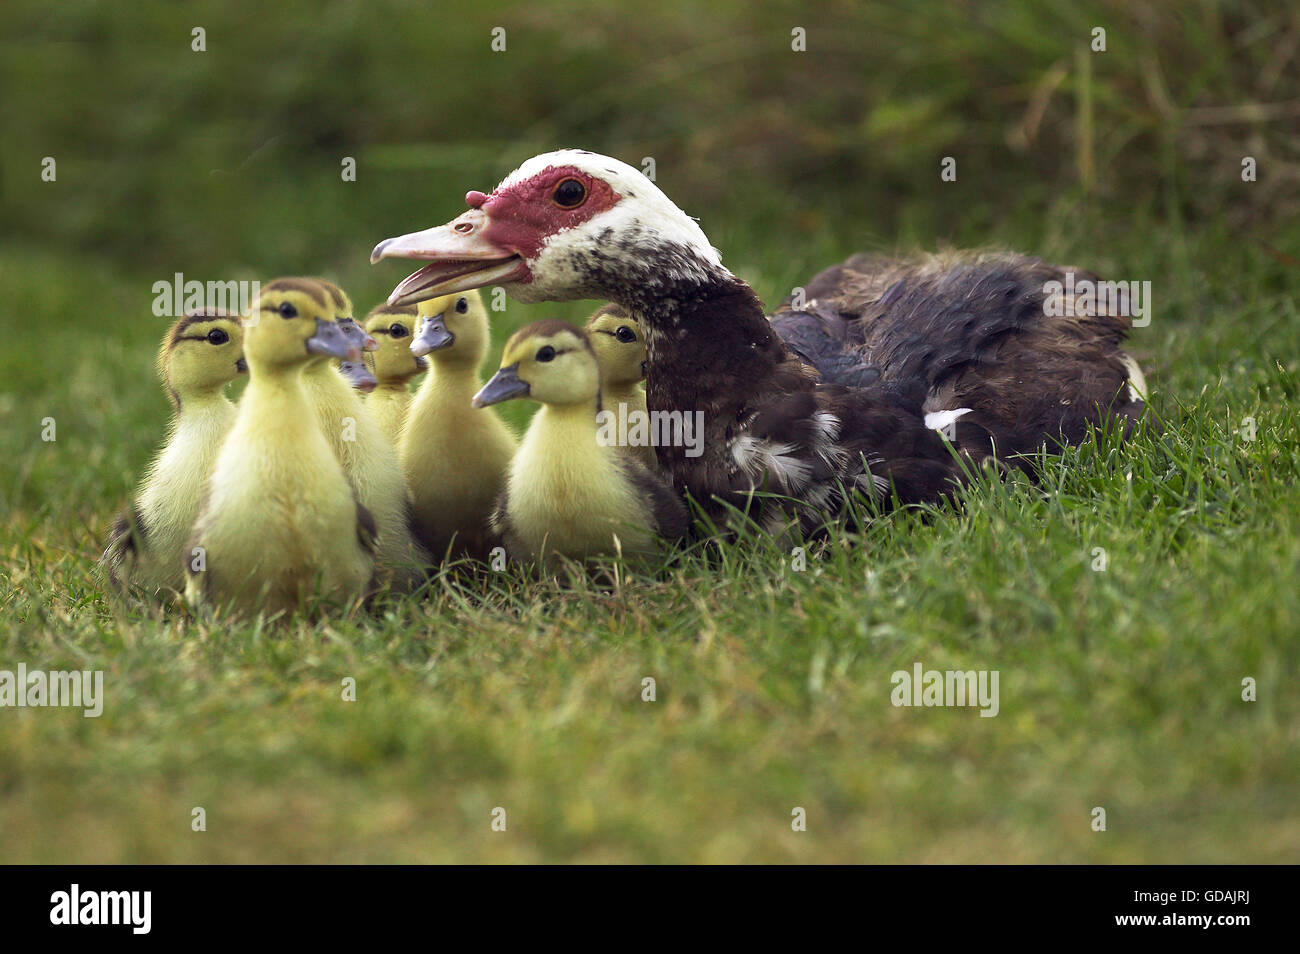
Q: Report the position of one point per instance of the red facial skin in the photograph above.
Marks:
(524, 215)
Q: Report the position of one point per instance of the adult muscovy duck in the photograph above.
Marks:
(573, 224)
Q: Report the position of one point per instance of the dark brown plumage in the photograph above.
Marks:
(769, 422)
(969, 330)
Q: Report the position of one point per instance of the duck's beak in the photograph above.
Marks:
(358, 375)
(460, 258)
(432, 336)
(241, 366)
(505, 385)
(357, 335)
(329, 341)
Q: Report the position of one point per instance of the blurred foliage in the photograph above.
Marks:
(174, 160)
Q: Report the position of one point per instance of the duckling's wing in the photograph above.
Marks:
(367, 529)
(125, 541)
(501, 530)
(428, 552)
(666, 508)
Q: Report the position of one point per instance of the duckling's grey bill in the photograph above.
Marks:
(504, 386)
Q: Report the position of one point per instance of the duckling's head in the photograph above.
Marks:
(619, 345)
(354, 371)
(549, 361)
(452, 329)
(339, 299)
(359, 375)
(202, 353)
(293, 322)
(393, 328)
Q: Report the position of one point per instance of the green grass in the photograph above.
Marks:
(1119, 689)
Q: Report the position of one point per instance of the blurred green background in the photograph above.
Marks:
(229, 160)
(1121, 687)
(226, 164)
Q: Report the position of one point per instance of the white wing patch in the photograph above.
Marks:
(1137, 381)
(939, 420)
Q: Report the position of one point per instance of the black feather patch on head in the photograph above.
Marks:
(385, 309)
(549, 327)
(313, 289)
(194, 317)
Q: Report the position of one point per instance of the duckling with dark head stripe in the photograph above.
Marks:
(200, 355)
(620, 349)
(369, 460)
(393, 366)
(567, 494)
(454, 457)
(280, 522)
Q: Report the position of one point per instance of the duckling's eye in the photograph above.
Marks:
(462, 305)
(287, 310)
(569, 194)
(398, 331)
(217, 337)
(625, 334)
(546, 353)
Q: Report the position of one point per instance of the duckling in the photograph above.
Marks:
(354, 372)
(358, 375)
(567, 493)
(392, 366)
(200, 355)
(369, 460)
(280, 520)
(620, 348)
(455, 458)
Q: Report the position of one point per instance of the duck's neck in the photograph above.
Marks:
(276, 389)
(199, 404)
(453, 379)
(571, 427)
(711, 350)
(613, 395)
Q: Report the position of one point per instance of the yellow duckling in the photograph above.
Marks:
(455, 458)
(567, 493)
(201, 354)
(369, 459)
(354, 372)
(392, 366)
(620, 349)
(358, 374)
(280, 521)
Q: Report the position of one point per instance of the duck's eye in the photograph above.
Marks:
(569, 194)
(546, 353)
(217, 337)
(462, 305)
(398, 331)
(625, 334)
(287, 310)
